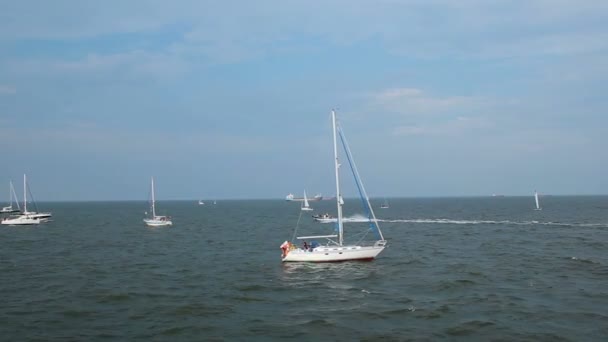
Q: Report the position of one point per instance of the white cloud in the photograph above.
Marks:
(7, 89)
(396, 93)
(94, 138)
(412, 101)
(452, 127)
(136, 63)
(432, 28)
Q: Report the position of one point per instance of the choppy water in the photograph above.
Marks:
(457, 268)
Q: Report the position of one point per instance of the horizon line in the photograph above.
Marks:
(283, 199)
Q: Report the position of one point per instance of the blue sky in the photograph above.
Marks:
(231, 99)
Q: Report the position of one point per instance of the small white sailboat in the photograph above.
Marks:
(200, 202)
(335, 248)
(44, 217)
(305, 205)
(385, 204)
(536, 200)
(26, 217)
(155, 220)
(214, 202)
(11, 195)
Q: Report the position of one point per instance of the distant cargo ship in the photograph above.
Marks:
(291, 197)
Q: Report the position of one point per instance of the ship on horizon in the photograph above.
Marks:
(291, 197)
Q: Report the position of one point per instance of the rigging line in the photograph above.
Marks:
(33, 201)
(295, 231)
(14, 194)
(369, 206)
(348, 157)
(362, 194)
(364, 234)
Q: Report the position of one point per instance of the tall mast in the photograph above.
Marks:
(338, 193)
(24, 194)
(153, 200)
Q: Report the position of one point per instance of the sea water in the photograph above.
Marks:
(455, 268)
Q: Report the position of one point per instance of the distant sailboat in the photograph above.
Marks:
(44, 217)
(305, 205)
(155, 220)
(11, 195)
(536, 200)
(200, 202)
(26, 217)
(214, 202)
(385, 204)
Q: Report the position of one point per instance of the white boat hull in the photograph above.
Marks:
(41, 216)
(21, 221)
(158, 223)
(334, 253)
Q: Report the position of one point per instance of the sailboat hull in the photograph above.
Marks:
(334, 254)
(21, 221)
(158, 222)
(41, 216)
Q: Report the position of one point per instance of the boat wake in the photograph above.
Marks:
(501, 222)
(354, 218)
(358, 218)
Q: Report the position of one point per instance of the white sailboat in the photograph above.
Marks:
(200, 202)
(385, 204)
(155, 220)
(335, 248)
(44, 217)
(11, 195)
(305, 205)
(26, 217)
(536, 200)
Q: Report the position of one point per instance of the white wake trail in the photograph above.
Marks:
(500, 222)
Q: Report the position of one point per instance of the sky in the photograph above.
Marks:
(232, 99)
